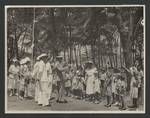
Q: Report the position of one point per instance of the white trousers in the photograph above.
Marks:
(44, 97)
(36, 91)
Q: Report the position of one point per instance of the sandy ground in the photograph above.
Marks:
(73, 105)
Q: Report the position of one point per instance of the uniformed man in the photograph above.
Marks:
(44, 81)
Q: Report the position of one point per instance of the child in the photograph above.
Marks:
(74, 85)
(103, 78)
(13, 77)
(67, 83)
(134, 90)
(22, 81)
(114, 92)
(118, 86)
(91, 69)
(80, 86)
(97, 86)
(122, 92)
(108, 89)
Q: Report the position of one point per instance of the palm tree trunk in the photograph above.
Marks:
(76, 58)
(64, 54)
(79, 49)
(86, 52)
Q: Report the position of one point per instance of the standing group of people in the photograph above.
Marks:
(66, 80)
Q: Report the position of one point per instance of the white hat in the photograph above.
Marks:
(59, 57)
(133, 69)
(37, 58)
(23, 61)
(96, 72)
(42, 55)
(89, 62)
(27, 59)
(14, 60)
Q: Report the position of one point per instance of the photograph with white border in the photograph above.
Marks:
(75, 59)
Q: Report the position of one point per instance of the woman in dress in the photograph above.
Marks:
(90, 71)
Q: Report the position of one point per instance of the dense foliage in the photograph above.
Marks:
(109, 36)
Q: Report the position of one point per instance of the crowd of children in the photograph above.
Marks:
(85, 83)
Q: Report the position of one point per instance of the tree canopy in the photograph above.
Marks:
(111, 35)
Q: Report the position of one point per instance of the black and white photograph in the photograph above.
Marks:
(75, 59)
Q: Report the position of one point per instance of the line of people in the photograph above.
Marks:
(66, 80)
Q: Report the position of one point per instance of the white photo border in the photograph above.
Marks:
(73, 112)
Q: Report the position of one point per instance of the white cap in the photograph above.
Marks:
(23, 61)
(59, 57)
(27, 59)
(89, 62)
(42, 55)
(14, 60)
(37, 58)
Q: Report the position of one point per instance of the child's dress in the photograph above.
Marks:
(123, 88)
(134, 88)
(114, 82)
(13, 76)
(97, 85)
(80, 84)
(90, 81)
(74, 83)
(67, 81)
(108, 86)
